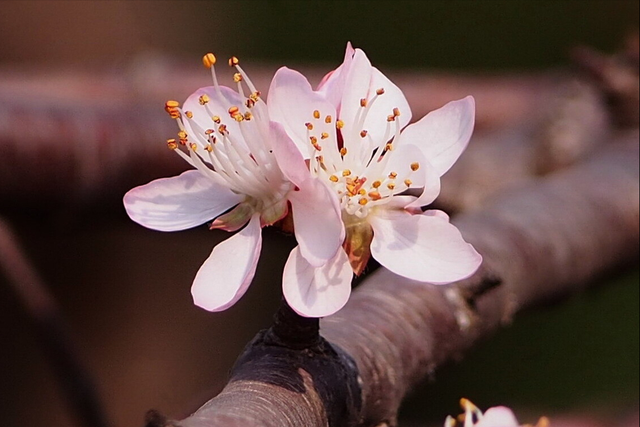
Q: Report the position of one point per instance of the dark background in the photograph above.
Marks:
(125, 289)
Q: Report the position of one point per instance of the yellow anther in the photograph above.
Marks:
(380, 91)
(350, 181)
(351, 189)
(189, 114)
(408, 182)
(233, 111)
(391, 186)
(388, 147)
(309, 126)
(238, 117)
(233, 61)
(363, 201)
(396, 112)
(363, 133)
(374, 195)
(209, 60)
(415, 166)
(333, 178)
(171, 104)
(328, 119)
(171, 143)
(203, 99)
(313, 139)
(250, 103)
(174, 114)
(255, 96)
(376, 184)
(216, 119)
(222, 128)
(391, 118)
(362, 191)
(346, 172)
(193, 146)
(182, 134)
(316, 114)
(208, 131)
(248, 115)
(393, 175)
(320, 159)
(237, 78)
(343, 151)
(324, 135)
(339, 124)
(208, 147)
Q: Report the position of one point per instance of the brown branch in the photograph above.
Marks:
(547, 239)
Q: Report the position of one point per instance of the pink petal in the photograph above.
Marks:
(316, 292)
(443, 134)
(292, 103)
(499, 416)
(226, 275)
(288, 155)
(317, 221)
(362, 81)
(179, 202)
(332, 85)
(425, 248)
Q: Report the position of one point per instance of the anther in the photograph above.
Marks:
(316, 114)
(255, 96)
(363, 201)
(396, 112)
(309, 126)
(248, 115)
(250, 103)
(208, 147)
(182, 135)
(222, 129)
(324, 135)
(408, 182)
(388, 147)
(327, 119)
(376, 184)
(391, 118)
(209, 60)
(362, 191)
(193, 146)
(374, 195)
(237, 78)
(208, 131)
(339, 124)
(203, 99)
(391, 186)
(171, 143)
(216, 119)
(346, 172)
(363, 133)
(393, 175)
(415, 166)
(189, 114)
(333, 178)
(233, 61)
(170, 105)
(363, 102)
(343, 151)
(380, 91)
(233, 111)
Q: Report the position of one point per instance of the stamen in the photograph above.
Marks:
(216, 119)
(346, 172)
(376, 184)
(171, 143)
(316, 114)
(415, 166)
(324, 135)
(339, 124)
(327, 119)
(309, 126)
(374, 195)
(393, 175)
(380, 91)
(203, 99)
(233, 61)
(237, 78)
(363, 102)
(333, 178)
(193, 146)
(363, 133)
(343, 151)
(189, 114)
(408, 182)
(363, 201)
(209, 60)
(391, 186)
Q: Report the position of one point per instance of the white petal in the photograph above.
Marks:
(317, 222)
(218, 105)
(498, 417)
(179, 202)
(363, 81)
(292, 102)
(332, 85)
(425, 248)
(431, 188)
(227, 273)
(289, 158)
(443, 134)
(316, 292)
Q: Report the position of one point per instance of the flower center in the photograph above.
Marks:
(232, 147)
(355, 163)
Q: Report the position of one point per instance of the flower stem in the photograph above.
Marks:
(294, 331)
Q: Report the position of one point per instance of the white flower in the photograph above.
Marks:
(353, 131)
(247, 172)
(499, 416)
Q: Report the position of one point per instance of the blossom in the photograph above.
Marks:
(499, 416)
(246, 175)
(354, 131)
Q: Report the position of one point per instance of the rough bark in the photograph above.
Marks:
(549, 238)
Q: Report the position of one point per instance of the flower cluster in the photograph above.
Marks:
(342, 161)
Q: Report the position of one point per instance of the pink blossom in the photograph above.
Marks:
(246, 174)
(354, 131)
(499, 416)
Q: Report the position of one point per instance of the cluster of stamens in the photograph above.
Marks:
(350, 161)
(240, 161)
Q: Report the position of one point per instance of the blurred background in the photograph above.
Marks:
(125, 290)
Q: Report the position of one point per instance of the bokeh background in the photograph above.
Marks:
(125, 290)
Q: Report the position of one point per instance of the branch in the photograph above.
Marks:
(548, 239)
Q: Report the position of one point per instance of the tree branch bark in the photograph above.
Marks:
(550, 238)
